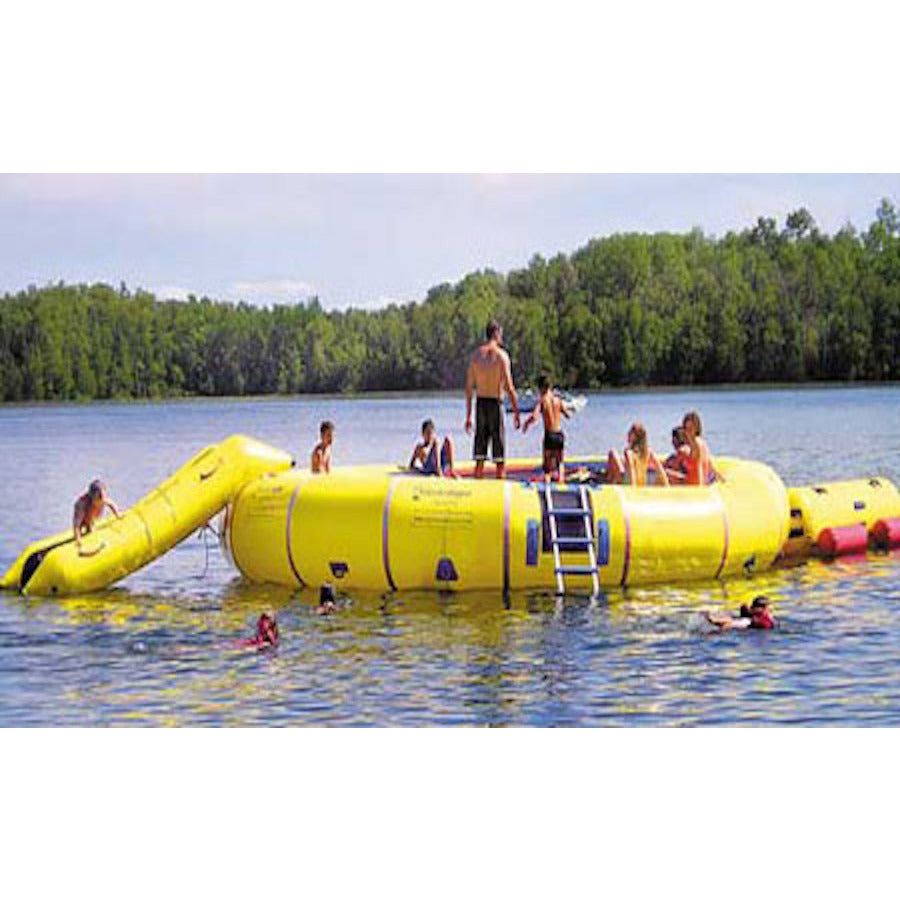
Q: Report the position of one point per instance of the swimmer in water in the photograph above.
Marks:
(755, 616)
(266, 634)
(327, 600)
(88, 508)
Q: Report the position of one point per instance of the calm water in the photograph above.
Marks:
(156, 650)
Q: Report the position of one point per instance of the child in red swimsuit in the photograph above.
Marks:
(755, 616)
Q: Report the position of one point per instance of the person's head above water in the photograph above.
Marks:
(759, 613)
(428, 429)
(493, 331)
(326, 431)
(543, 382)
(692, 424)
(97, 490)
(679, 438)
(327, 599)
(266, 630)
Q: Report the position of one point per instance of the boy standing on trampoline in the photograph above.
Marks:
(552, 409)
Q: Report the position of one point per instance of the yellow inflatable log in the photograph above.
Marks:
(373, 528)
(165, 516)
(835, 505)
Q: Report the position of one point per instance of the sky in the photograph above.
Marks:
(367, 240)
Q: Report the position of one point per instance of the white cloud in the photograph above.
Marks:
(278, 290)
(172, 292)
(373, 303)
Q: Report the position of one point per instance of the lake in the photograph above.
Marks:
(158, 648)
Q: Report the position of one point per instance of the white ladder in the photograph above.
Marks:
(585, 543)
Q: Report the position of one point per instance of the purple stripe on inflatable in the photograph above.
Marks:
(507, 500)
(626, 562)
(727, 538)
(385, 527)
(290, 556)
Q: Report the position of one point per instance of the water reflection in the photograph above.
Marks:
(636, 657)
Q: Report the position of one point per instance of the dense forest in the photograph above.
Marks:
(766, 304)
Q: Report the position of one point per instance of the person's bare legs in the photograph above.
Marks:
(479, 468)
(561, 472)
(615, 471)
(447, 453)
(548, 467)
(501, 470)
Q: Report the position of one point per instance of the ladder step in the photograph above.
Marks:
(573, 542)
(576, 570)
(568, 513)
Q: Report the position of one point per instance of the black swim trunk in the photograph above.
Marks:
(554, 445)
(490, 429)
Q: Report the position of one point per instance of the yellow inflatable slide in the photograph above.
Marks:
(153, 525)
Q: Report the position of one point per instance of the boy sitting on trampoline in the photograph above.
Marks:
(427, 459)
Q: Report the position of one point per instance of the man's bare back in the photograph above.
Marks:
(488, 370)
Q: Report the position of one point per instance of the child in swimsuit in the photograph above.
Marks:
(552, 409)
(266, 634)
(321, 455)
(676, 464)
(636, 460)
(88, 508)
(756, 616)
(700, 467)
(427, 459)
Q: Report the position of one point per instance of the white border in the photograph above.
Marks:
(397, 87)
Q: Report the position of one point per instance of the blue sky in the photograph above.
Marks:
(364, 240)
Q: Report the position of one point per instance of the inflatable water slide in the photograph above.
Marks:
(169, 513)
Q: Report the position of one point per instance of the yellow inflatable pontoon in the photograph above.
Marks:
(862, 501)
(165, 516)
(372, 528)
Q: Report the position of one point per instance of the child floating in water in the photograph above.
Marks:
(427, 459)
(88, 508)
(756, 615)
(637, 459)
(321, 455)
(266, 634)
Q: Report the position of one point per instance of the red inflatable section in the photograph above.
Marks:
(840, 541)
(886, 533)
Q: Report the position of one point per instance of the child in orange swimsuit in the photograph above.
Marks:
(699, 464)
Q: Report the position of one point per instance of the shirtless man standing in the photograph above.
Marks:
(489, 375)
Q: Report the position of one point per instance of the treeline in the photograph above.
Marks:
(765, 304)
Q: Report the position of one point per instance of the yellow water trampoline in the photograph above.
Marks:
(381, 528)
